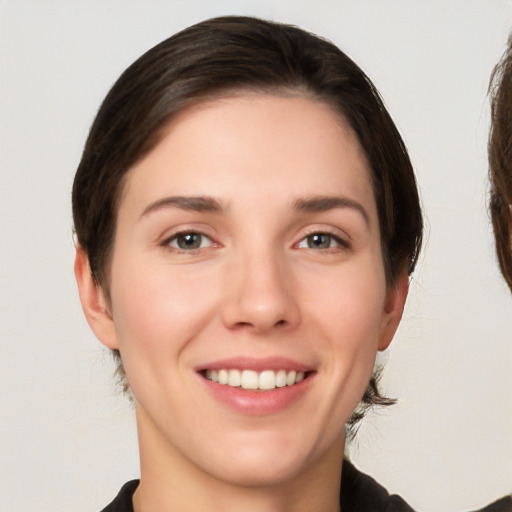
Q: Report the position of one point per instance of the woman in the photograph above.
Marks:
(500, 177)
(500, 163)
(247, 218)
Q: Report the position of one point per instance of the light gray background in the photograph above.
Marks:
(67, 440)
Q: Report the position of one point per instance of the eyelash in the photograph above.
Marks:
(175, 238)
(341, 243)
(167, 243)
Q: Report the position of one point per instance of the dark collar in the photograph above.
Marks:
(359, 493)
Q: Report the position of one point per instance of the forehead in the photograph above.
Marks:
(244, 145)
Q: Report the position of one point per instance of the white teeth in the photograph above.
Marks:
(280, 379)
(290, 378)
(223, 377)
(234, 378)
(267, 380)
(249, 379)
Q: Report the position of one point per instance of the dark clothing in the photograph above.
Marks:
(123, 501)
(503, 505)
(359, 493)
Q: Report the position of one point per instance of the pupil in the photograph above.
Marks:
(319, 241)
(189, 241)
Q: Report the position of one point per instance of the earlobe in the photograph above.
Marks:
(393, 309)
(94, 303)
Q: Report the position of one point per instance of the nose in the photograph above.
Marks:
(260, 295)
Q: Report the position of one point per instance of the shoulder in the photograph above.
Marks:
(502, 505)
(361, 493)
(123, 501)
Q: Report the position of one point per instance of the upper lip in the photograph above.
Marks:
(256, 364)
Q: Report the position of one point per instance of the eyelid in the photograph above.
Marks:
(339, 242)
(168, 239)
(339, 235)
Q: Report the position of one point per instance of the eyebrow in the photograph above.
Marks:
(316, 204)
(192, 203)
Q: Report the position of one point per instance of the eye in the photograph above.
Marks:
(321, 241)
(188, 241)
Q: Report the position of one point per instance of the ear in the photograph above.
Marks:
(93, 301)
(393, 309)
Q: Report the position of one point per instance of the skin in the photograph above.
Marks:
(257, 286)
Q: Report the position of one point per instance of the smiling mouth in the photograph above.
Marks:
(265, 380)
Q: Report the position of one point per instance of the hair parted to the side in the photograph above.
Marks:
(500, 161)
(226, 56)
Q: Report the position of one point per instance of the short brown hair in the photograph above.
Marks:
(232, 54)
(500, 162)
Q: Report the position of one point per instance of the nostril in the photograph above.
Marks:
(258, 326)
(242, 325)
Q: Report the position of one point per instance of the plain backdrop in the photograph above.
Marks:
(67, 437)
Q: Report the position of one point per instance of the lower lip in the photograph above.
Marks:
(258, 403)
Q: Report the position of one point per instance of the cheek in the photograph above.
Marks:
(351, 303)
(157, 310)
(349, 310)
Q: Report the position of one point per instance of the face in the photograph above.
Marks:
(248, 293)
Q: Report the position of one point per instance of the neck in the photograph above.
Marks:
(169, 481)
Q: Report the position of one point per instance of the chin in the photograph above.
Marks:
(265, 459)
(259, 471)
